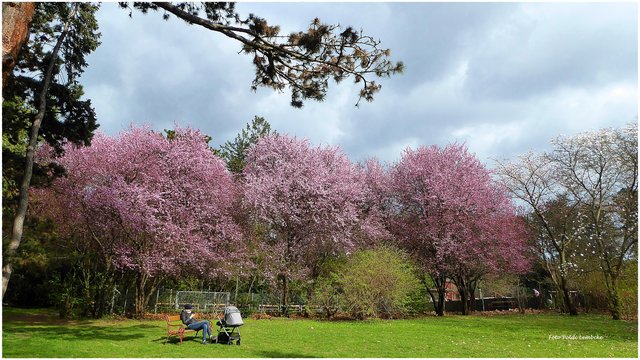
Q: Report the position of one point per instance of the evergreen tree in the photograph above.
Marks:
(43, 102)
(302, 61)
(234, 152)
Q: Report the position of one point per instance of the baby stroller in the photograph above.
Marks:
(228, 330)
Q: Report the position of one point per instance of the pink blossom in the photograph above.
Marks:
(146, 203)
(452, 216)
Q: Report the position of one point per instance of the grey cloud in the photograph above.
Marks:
(498, 76)
(540, 50)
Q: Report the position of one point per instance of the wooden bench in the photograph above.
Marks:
(175, 327)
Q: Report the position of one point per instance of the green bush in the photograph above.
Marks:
(628, 291)
(327, 295)
(380, 282)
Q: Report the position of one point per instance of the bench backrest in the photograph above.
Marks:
(171, 318)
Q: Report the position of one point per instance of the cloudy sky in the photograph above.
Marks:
(504, 77)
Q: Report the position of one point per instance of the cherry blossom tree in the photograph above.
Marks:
(376, 203)
(154, 206)
(454, 220)
(310, 199)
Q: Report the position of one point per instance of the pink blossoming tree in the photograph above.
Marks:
(454, 220)
(150, 205)
(311, 200)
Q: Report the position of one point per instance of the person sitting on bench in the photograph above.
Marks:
(193, 324)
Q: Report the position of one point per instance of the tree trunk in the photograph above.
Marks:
(105, 287)
(471, 290)
(18, 223)
(568, 301)
(613, 299)
(464, 296)
(438, 303)
(152, 290)
(285, 297)
(86, 291)
(465, 301)
(16, 18)
(441, 299)
(141, 282)
(614, 305)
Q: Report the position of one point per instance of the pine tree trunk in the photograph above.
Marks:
(18, 223)
(16, 18)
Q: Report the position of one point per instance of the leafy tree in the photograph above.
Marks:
(234, 152)
(308, 197)
(43, 100)
(302, 61)
(147, 205)
(454, 220)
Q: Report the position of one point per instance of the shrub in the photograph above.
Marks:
(628, 290)
(327, 295)
(378, 282)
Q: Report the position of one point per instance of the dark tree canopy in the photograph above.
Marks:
(42, 100)
(67, 117)
(302, 61)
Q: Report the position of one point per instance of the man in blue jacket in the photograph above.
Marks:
(190, 321)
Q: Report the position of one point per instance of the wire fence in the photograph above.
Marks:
(171, 301)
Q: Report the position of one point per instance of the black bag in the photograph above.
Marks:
(223, 338)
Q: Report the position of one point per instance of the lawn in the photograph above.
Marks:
(37, 333)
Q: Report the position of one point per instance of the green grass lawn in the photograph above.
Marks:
(37, 333)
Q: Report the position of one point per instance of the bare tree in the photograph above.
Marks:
(532, 180)
(599, 170)
(583, 199)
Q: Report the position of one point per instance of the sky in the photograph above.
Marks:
(503, 78)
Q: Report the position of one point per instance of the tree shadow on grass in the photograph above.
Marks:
(79, 333)
(281, 354)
